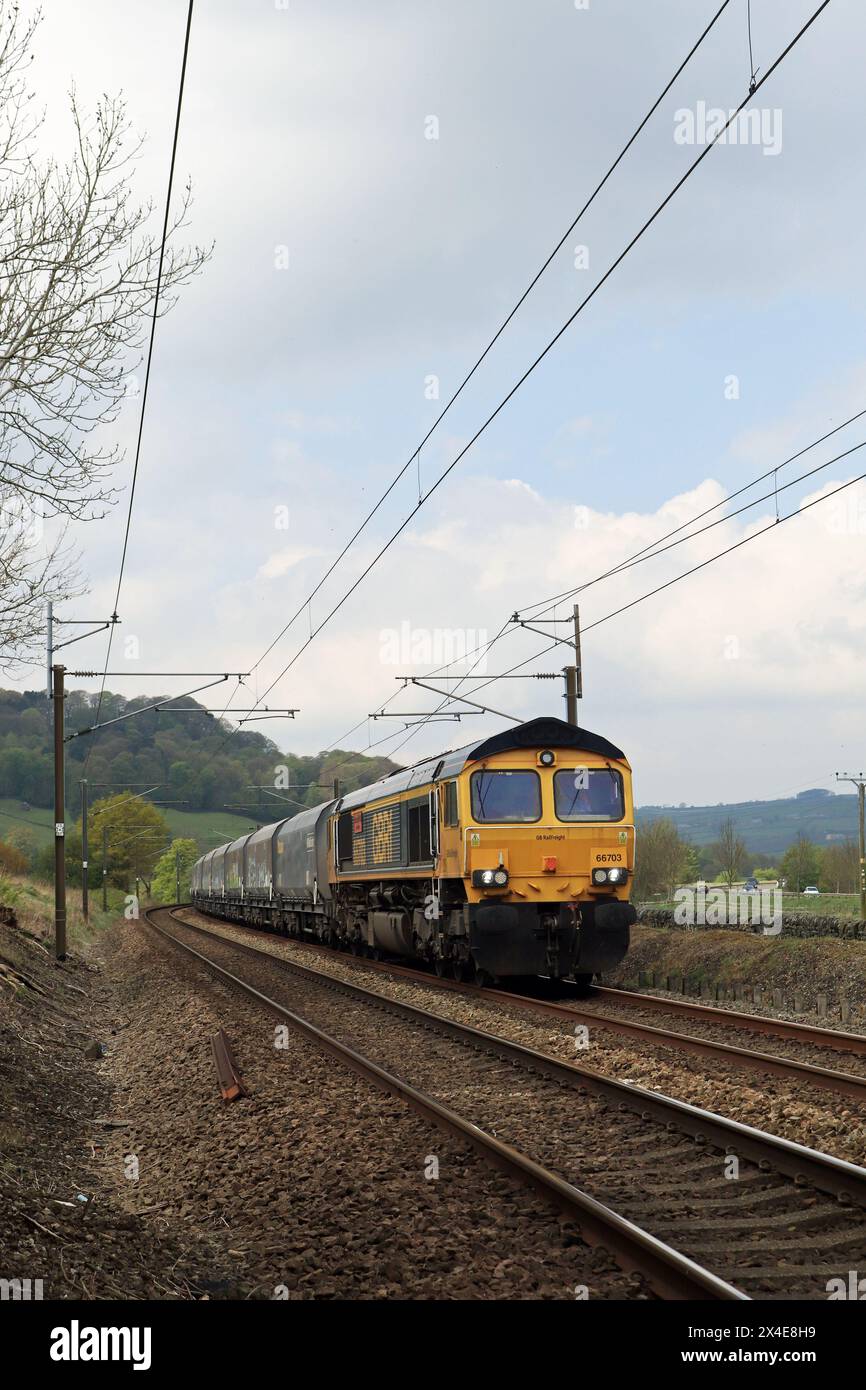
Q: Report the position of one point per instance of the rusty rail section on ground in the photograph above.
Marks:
(231, 1085)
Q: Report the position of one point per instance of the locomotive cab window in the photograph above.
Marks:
(588, 793)
(418, 816)
(344, 837)
(506, 796)
(451, 803)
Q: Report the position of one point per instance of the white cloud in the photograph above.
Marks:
(282, 561)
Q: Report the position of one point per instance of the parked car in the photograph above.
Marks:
(811, 892)
(751, 885)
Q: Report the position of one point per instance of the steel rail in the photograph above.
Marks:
(834, 1038)
(670, 1274)
(842, 1082)
(844, 1180)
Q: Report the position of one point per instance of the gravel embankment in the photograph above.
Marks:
(61, 1223)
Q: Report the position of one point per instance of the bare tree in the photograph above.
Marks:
(730, 850)
(78, 275)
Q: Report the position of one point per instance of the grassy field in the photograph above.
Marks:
(825, 905)
(209, 828)
(38, 820)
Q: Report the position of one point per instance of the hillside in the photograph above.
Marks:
(215, 777)
(767, 827)
(194, 761)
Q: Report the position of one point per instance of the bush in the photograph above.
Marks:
(10, 893)
(12, 861)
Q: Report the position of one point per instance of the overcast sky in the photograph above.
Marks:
(305, 133)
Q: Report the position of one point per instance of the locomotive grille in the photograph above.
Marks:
(380, 841)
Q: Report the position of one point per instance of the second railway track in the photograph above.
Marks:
(762, 1214)
(818, 1069)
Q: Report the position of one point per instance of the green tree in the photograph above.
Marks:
(662, 859)
(709, 863)
(692, 866)
(800, 864)
(839, 871)
(181, 855)
(137, 831)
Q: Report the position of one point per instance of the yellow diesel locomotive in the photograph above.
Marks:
(512, 856)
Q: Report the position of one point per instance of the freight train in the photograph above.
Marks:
(512, 856)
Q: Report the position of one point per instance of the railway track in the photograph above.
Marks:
(669, 1273)
(834, 1039)
(702, 1205)
(795, 1037)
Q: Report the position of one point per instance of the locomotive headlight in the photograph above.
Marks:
(547, 758)
(616, 875)
(489, 878)
(599, 875)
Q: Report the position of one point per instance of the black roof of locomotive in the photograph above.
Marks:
(546, 733)
(536, 733)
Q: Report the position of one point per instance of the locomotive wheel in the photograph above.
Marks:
(483, 978)
(440, 965)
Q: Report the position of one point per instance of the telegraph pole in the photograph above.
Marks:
(860, 783)
(58, 696)
(574, 675)
(105, 868)
(49, 650)
(85, 906)
(177, 875)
